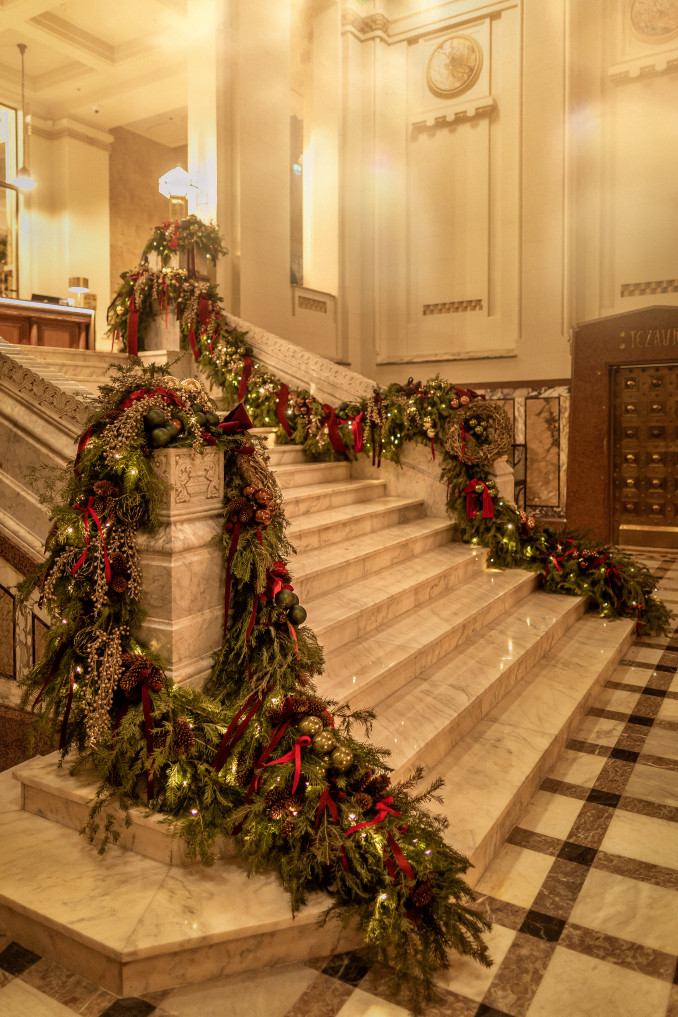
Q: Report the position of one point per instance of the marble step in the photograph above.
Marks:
(428, 715)
(370, 669)
(491, 773)
(331, 568)
(135, 925)
(49, 791)
(299, 501)
(88, 367)
(303, 474)
(353, 611)
(285, 455)
(322, 528)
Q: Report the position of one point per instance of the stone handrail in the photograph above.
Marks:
(300, 368)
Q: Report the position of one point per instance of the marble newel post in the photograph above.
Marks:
(182, 565)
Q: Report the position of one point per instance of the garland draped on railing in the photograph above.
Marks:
(258, 753)
(472, 431)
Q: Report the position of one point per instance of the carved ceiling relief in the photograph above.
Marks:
(648, 40)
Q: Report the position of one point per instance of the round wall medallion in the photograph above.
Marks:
(655, 19)
(454, 65)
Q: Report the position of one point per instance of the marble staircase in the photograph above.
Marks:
(473, 673)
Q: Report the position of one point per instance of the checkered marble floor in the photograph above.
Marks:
(583, 895)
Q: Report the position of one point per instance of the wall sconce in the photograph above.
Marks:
(23, 179)
(174, 185)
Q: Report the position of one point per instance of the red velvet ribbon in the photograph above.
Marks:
(552, 558)
(236, 422)
(401, 860)
(82, 445)
(89, 511)
(330, 419)
(237, 727)
(357, 432)
(464, 438)
(146, 393)
(133, 328)
(467, 392)
(204, 308)
(174, 242)
(148, 732)
(383, 810)
(166, 303)
(294, 755)
(328, 802)
(488, 505)
(229, 562)
(612, 576)
(67, 712)
(193, 344)
(281, 402)
(263, 759)
(277, 579)
(244, 377)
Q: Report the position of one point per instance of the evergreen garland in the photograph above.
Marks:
(568, 562)
(257, 754)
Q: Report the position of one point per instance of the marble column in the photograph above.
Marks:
(182, 565)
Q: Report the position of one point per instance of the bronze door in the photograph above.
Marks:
(645, 455)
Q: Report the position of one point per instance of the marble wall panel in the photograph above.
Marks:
(6, 634)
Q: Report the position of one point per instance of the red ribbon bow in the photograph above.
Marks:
(89, 511)
(488, 504)
(244, 377)
(328, 802)
(383, 810)
(357, 432)
(236, 422)
(146, 393)
(293, 755)
(281, 408)
(133, 328)
(330, 420)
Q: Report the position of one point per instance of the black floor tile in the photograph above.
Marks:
(16, 959)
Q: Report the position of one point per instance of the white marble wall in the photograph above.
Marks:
(182, 564)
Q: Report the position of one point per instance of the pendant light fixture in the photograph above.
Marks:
(23, 178)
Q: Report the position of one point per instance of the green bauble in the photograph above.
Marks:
(173, 430)
(212, 419)
(201, 419)
(297, 615)
(285, 599)
(310, 725)
(154, 418)
(160, 436)
(342, 759)
(323, 742)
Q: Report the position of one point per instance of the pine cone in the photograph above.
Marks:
(379, 785)
(300, 704)
(138, 670)
(318, 709)
(118, 583)
(278, 811)
(276, 795)
(363, 801)
(287, 828)
(236, 505)
(245, 515)
(293, 805)
(275, 716)
(242, 770)
(118, 562)
(364, 779)
(105, 489)
(184, 739)
(303, 679)
(421, 894)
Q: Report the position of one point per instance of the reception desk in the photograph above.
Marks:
(32, 323)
